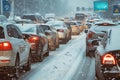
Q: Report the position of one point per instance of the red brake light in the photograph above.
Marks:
(5, 61)
(108, 59)
(33, 39)
(4, 46)
(60, 30)
(90, 34)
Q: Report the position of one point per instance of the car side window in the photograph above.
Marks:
(13, 31)
(2, 35)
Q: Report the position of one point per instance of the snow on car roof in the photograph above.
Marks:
(24, 27)
(104, 21)
(102, 28)
(113, 39)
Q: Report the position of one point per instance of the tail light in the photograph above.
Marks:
(108, 59)
(90, 34)
(5, 46)
(60, 30)
(5, 61)
(33, 39)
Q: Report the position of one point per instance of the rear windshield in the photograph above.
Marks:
(2, 35)
(31, 17)
(44, 27)
(70, 23)
(105, 24)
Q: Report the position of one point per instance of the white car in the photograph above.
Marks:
(107, 56)
(14, 51)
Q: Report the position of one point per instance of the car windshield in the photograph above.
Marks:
(45, 27)
(31, 17)
(57, 25)
(2, 35)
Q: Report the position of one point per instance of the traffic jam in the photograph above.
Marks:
(54, 45)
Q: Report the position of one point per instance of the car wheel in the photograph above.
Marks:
(47, 54)
(40, 53)
(65, 41)
(17, 69)
(57, 43)
(41, 58)
(28, 66)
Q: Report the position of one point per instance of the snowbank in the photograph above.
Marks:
(63, 63)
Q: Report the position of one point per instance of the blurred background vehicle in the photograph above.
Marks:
(62, 30)
(52, 36)
(74, 27)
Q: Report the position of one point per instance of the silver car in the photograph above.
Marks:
(62, 29)
(52, 36)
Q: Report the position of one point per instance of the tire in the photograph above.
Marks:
(17, 69)
(65, 41)
(39, 53)
(28, 66)
(57, 43)
(47, 54)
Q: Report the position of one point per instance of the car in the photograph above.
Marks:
(62, 30)
(15, 52)
(38, 41)
(107, 56)
(52, 36)
(36, 18)
(74, 27)
(95, 32)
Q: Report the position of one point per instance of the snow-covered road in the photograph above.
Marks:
(62, 64)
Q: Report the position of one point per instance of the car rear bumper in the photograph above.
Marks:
(112, 74)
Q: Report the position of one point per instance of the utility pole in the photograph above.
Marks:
(12, 10)
(1, 1)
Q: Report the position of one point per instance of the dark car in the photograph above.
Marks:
(107, 56)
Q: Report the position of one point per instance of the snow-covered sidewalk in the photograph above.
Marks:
(64, 63)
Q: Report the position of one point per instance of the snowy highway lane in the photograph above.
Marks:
(68, 62)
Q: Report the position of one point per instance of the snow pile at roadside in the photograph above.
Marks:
(60, 65)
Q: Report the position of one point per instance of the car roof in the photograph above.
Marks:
(113, 39)
(102, 28)
(24, 27)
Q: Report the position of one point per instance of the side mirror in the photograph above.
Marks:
(86, 31)
(96, 42)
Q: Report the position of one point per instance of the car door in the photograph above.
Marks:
(19, 44)
(44, 38)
